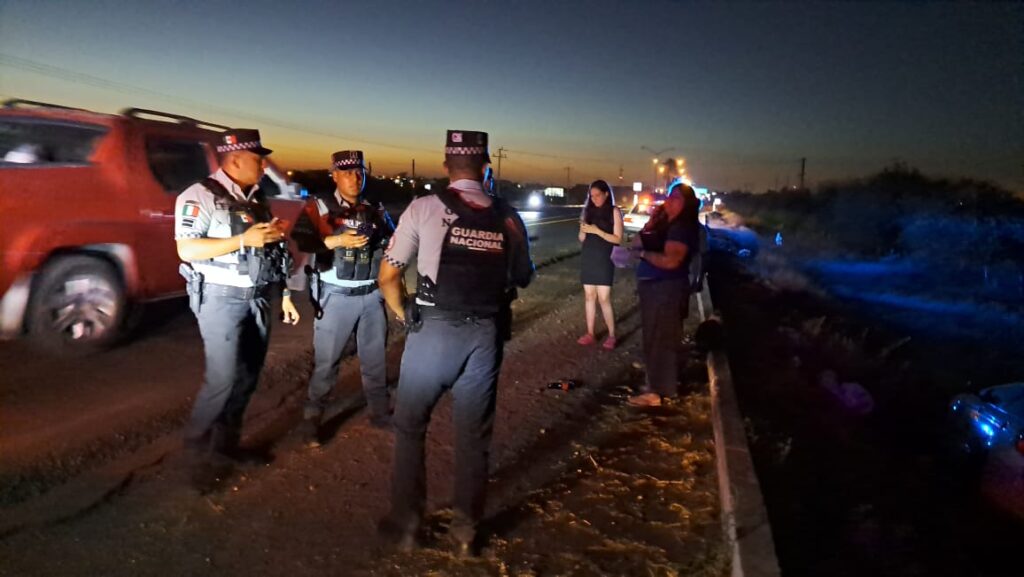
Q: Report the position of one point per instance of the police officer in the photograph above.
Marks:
(343, 285)
(467, 247)
(235, 252)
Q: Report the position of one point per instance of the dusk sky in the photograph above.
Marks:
(742, 91)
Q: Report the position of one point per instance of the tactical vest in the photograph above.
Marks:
(361, 263)
(268, 264)
(472, 272)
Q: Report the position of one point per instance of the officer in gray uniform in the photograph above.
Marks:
(235, 254)
(343, 286)
(467, 247)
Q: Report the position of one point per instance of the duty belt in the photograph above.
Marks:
(428, 312)
(350, 291)
(237, 292)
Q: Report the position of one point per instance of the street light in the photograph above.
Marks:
(657, 154)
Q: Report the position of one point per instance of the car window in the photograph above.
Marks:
(176, 164)
(269, 187)
(28, 141)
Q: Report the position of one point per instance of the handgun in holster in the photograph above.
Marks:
(413, 319)
(193, 286)
(316, 289)
(504, 320)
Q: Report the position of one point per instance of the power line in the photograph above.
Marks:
(89, 80)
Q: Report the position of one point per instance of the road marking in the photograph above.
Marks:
(552, 222)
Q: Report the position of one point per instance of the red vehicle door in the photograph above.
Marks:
(167, 159)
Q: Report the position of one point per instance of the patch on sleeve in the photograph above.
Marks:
(394, 262)
(189, 212)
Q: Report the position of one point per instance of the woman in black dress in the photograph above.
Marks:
(600, 230)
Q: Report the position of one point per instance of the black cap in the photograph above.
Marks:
(241, 139)
(348, 159)
(466, 143)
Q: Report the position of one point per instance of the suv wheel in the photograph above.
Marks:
(78, 306)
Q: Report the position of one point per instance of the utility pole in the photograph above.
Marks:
(620, 173)
(657, 154)
(803, 166)
(497, 181)
(414, 169)
(568, 178)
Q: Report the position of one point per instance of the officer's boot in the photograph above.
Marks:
(226, 446)
(381, 421)
(400, 532)
(309, 430)
(463, 533)
(206, 472)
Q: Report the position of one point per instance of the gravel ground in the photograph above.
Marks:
(581, 484)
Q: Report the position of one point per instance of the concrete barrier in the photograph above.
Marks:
(744, 517)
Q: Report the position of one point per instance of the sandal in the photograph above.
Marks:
(609, 344)
(586, 340)
(645, 400)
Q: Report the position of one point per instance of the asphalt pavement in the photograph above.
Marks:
(60, 412)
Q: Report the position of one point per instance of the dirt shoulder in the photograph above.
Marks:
(581, 484)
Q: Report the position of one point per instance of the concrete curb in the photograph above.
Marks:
(744, 517)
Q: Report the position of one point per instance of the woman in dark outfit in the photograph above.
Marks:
(600, 231)
(665, 246)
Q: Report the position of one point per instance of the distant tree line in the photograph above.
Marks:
(972, 230)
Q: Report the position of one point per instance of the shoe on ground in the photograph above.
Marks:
(463, 535)
(208, 476)
(382, 422)
(247, 457)
(401, 535)
(586, 340)
(609, 344)
(645, 400)
(309, 432)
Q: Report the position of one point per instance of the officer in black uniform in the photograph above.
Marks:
(343, 286)
(235, 253)
(467, 247)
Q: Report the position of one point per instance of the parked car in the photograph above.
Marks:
(637, 217)
(993, 418)
(87, 217)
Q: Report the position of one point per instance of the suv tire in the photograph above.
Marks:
(78, 306)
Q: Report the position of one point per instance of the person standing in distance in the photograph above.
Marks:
(600, 231)
(343, 285)
(235, 254)
(467, 249)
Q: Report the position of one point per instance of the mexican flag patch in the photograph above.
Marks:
(190, 209)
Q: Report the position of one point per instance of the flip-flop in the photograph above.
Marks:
(586, 340)
(609, 344)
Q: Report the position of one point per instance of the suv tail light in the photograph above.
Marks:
(1020, 444)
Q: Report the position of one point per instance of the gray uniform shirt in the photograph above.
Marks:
(198, 214)
(420, 232)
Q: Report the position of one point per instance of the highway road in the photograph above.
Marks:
(60, 415)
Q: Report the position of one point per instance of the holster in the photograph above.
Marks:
(504, 318)
(413, 318)
(316, 291)
(193, 286)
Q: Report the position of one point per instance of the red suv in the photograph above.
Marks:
(87, 217)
